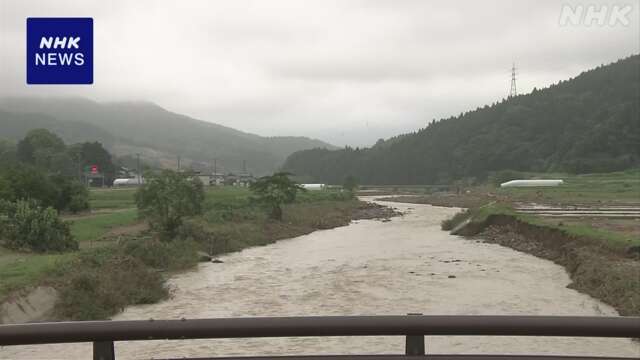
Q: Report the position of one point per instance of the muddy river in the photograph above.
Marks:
(407, 265)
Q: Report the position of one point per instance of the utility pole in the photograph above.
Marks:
(244, 166)
(215, 166)
(138, 170)
(178, 162)
(513, 91)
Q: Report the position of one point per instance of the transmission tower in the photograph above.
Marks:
(513, 91)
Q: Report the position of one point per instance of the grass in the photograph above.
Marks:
(610, 188)
(228, 195)
(112, 198)
(614, 240)
(94, 227)
(243, 227)
(18, 270)
(23, 269)
(457, 219)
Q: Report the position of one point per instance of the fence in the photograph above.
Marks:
(414, 328)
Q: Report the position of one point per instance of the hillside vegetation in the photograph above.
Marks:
(586, 124)
(128, 128)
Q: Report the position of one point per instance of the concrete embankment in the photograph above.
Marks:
(36, 305)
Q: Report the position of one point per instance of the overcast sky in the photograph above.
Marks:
(347, 72)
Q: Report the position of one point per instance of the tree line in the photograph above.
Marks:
(585, 124)
(39, 178)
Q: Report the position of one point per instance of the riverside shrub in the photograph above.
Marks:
(167, 198)
(27, 225)
(103, 282)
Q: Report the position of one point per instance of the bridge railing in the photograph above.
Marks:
(414, 328)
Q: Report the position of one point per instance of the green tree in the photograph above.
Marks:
(27, 225)
(350, 184)
(7, 153)
(167, 198)
(274, 191)
(21, 181)
(38, 143)
(72, 195)
(93, 153)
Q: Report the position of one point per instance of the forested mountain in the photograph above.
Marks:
(586, 124)
(14, 126)
(130, 127)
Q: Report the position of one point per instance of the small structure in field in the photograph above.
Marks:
(128, 182)
(531, 183)
(313, 186)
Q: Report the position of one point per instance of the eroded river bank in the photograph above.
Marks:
(405, 265)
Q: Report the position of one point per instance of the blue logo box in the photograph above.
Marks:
(59, 51)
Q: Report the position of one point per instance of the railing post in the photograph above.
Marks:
(103, 350)
(414, 344)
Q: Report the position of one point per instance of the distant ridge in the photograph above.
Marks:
(159, 135)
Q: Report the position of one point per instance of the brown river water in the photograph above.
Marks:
(367, 268)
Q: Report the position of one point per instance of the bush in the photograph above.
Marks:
(102, 282)
(28, 225)
(72, 195)
(162, 255)
(27, 182)
(350, 184)
(167, 198)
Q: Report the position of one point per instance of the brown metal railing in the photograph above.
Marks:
(413, 327)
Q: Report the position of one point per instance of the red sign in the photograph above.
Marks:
(94, 169)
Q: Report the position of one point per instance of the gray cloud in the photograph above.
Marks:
(348, 72)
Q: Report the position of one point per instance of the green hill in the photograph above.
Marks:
(140, 127)
(586, 124)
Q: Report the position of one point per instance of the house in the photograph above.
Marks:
(244, 180)
(216, 179)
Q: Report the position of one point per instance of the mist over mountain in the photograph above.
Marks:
(590, 123)
(127, 128)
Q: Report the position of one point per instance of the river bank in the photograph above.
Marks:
(602, 257)
(607, 273)
(405, 265)
(100, 281)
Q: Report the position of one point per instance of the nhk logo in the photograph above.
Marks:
(59, 50)
(57, 58)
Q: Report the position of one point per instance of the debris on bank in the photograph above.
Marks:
(373, 211)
